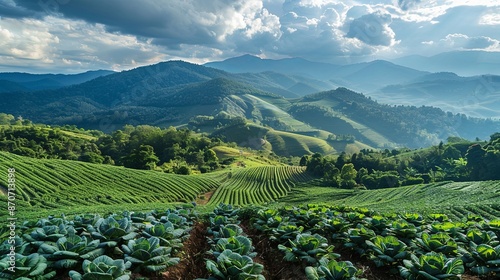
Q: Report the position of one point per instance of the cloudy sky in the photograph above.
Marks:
(68, 36)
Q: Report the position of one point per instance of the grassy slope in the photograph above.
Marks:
(249, 159)
(456, 199)
(270, 110)
(70, 133)
(257, 185)
(58, 186)
(282, 143)
(367, 132)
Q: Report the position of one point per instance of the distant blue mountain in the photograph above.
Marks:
(293, 66)
(464, 63)
(359, 76)
(477, 96)
(26, 81)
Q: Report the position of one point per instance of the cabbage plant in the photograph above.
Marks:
(147, 255)
(431, 266)
(332, 270)
(231, 265)
(31, 267)
(387, 250)
(102, 268)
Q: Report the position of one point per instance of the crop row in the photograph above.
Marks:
(258, 185)
(231, 250)
(95, 247)
(51, 184)
(411, 245)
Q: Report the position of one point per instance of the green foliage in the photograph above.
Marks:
(332, 270)
(477, 237)
(486, 260)
(227, 231)
(267, 220)
(69, 251)
(143, 157)
(33, 266)
(239, 244)
(404, 230)
(102, 267)
(46, 142)
(168, 234)
(20, 246)
(231, 265)
(440, 242)
(387, 250)
(357, 238)
(147, 255)
(483, 162)
(258, 185)
(285, 231)
(111, 231)
(432, 266)
(227, 210)
(76, 187)
(48, 233)
(308, 248)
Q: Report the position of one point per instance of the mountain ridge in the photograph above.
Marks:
(182, 94)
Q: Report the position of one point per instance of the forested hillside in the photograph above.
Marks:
(181, 94)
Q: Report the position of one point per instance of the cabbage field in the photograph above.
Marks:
(296, 242)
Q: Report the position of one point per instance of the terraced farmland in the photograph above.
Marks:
(70, 185)
(258, 185)
(457, 199)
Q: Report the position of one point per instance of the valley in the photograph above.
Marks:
(251, 161)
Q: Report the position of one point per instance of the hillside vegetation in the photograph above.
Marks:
(204, 99)
(51, 186)
(456, 199)
(258, 185)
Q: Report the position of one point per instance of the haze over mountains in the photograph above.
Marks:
(415, 80)
(291, 106)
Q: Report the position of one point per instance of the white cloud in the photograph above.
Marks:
(461, 41)
(373, 29)
(75, 46)
(491, 18)
(28, 39)
(78, 35)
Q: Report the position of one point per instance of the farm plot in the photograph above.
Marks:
(61, 184)
(258, 185)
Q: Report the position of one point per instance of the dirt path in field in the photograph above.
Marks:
(192, 264)
(206, 198)
(275, 268)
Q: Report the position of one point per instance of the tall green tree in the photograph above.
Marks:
(142, 158)
(348, 176)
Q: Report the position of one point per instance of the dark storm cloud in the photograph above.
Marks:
(372, 29)
(9, 9)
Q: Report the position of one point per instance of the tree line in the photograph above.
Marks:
(142, 147)
(457, 160)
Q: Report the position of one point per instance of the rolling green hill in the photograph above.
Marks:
(258, 185)
(52, 187)
(455, 199)
(61, 186)
(280, 142)
(182, 94)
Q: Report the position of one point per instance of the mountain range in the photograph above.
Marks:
(305, 108)
(415, 80)
(14, 81)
